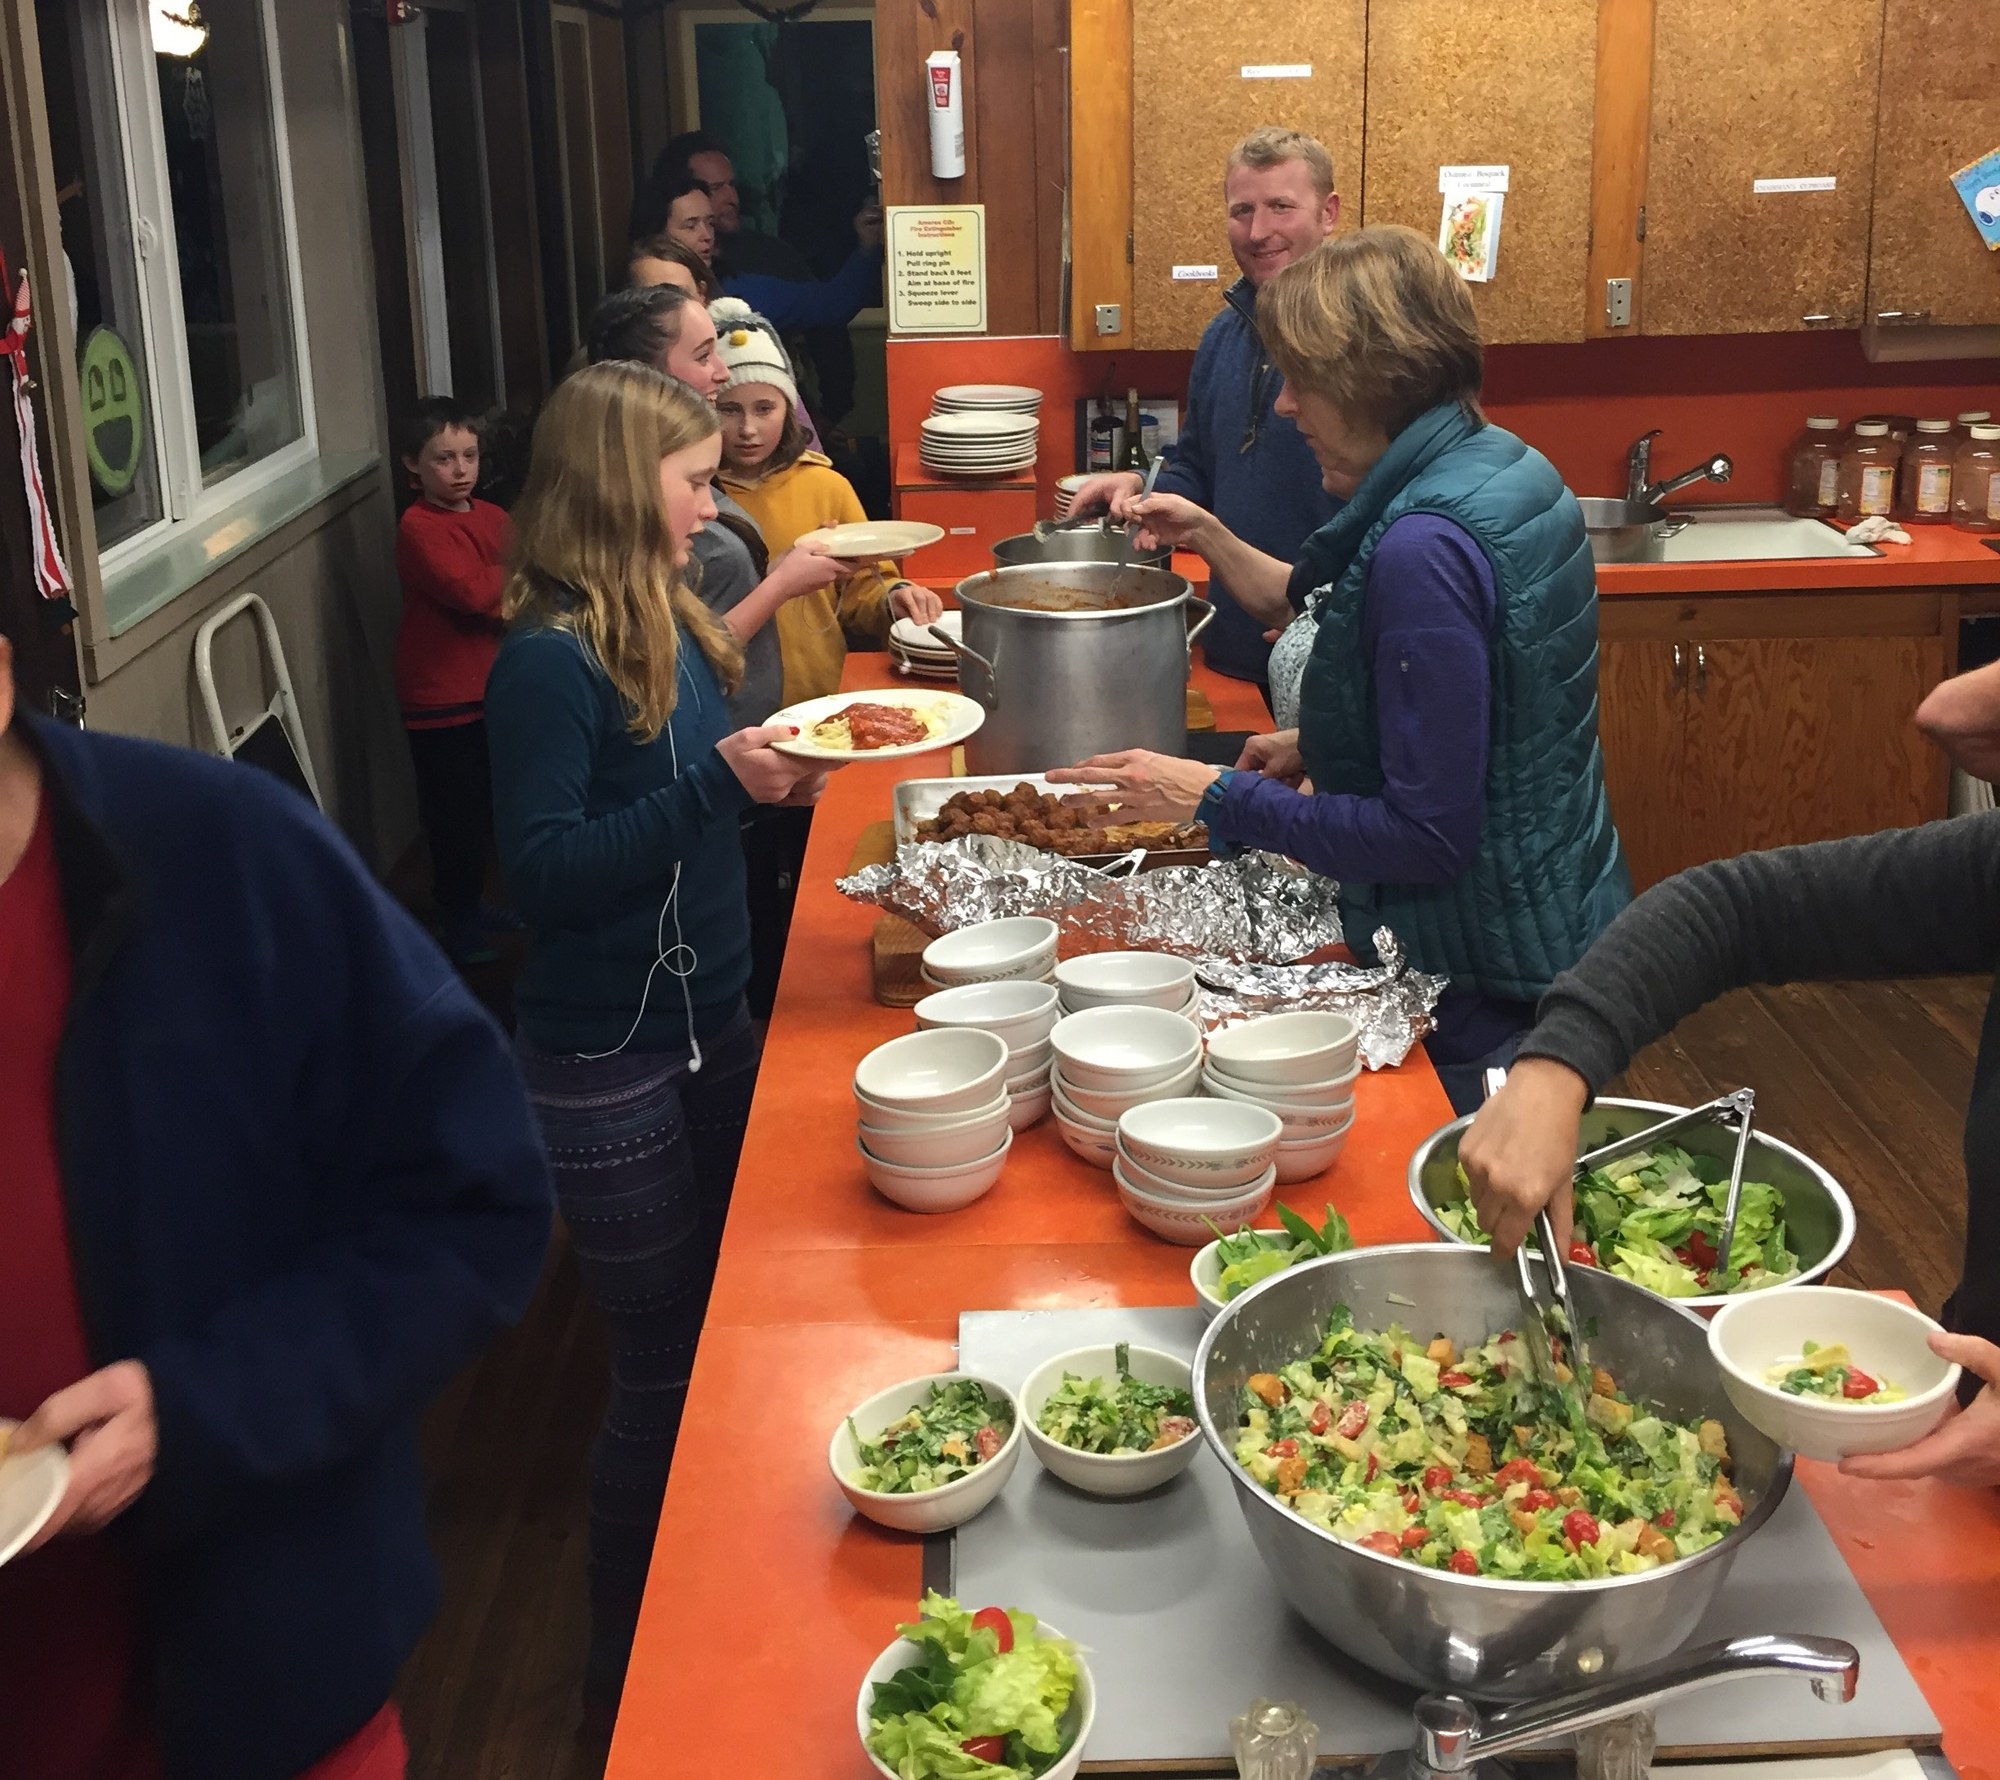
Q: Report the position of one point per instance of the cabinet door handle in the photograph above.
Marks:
(1680, 668)
(1815, 319)
(1889, 315)
(1700, 669)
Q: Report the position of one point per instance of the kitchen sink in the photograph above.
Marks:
(1731, 534)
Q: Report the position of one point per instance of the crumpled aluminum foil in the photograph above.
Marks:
(1247, 922)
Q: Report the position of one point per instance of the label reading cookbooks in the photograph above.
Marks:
(937, 268)
(1196, 274)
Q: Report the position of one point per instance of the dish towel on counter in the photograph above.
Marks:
(1876, 529)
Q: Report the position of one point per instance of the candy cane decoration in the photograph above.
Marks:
(51, 575)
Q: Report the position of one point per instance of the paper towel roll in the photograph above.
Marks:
(947, 84)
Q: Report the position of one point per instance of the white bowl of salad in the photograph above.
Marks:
(1830, 1372)
(989, 1695)
(1112, 1420)
(1230, 1265)
(929, 1453)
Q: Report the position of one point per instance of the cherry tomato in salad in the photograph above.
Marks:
(995, 1620)
(1320, 1420)
(1465, 1498)
(1452, 1380)
(1282, 1449)
(1580, 1528)
(1386, 1543)
(993, 1749)
(1353, 1419)
(1415, 1536)
(1463, 1563)
(1583, 1254)
(1519, 1471)
(1536, 1500)
(1858, 1384)
(1370, 1475)
(1412, 1502)
(1701, 1251)
(1665, 1518)
(1438, 1477)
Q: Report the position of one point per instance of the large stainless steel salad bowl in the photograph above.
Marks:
(1476, 1634)
(1818, 1213)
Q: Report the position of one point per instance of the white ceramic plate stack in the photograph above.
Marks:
(987, 398)
(1182, 1165)
(1065, 493)
(919, 654)
(1128, 979)
(1111, 1059)
(1022, 1014)
(1022, 948)
(977, 444)
(1300, 1066)
(934, 1110)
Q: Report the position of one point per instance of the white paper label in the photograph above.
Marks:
(1472, 179)
(1934, 488)
(1825, 183)
(1993, 498)
(1195, 274)
(1878, 489)
(1829, 484)
(1277, 71)
(964, 531)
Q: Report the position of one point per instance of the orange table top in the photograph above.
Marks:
(768, 1591)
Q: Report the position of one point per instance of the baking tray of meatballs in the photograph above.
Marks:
(1024, 808)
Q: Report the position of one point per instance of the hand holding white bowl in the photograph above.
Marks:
(1964, 1448)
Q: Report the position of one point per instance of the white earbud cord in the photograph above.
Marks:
(678, 960)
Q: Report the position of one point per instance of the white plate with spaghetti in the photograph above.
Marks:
(31, 1484)
(881, 723)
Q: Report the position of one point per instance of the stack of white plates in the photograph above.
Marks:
(915, 651)
(977, 444)
(1111, 1059)
(1300, 1066)
(1020, 1013)
(1065, 493)
(987, 398)
(934, 1128)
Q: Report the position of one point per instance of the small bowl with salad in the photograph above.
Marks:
(1112, 1420)
(1655, 1216)
(1230, 1265)
(929, 1453)
(1830, 1372)
(992, 1694)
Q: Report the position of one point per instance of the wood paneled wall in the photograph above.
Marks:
(1012, 53)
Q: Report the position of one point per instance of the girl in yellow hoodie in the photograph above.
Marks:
(791, 490)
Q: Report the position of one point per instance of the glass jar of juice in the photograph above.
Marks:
(1812, 469)
(1867, 482)
(1975, 481)
(1927, 465)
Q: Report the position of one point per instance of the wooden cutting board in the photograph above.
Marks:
(897, 946)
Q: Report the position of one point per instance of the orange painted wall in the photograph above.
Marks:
(1583, 405)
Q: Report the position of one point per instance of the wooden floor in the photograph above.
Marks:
(1871, 1079)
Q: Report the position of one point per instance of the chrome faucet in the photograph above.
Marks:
(1453, 1736)
(1641, 489)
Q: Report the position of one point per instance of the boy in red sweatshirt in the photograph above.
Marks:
(451, 558)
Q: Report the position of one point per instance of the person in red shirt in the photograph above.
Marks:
(451, 557)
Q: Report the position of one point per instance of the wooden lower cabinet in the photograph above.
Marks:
(1731, 725)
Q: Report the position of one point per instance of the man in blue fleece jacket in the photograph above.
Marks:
(268, 1178)
(1236, 457)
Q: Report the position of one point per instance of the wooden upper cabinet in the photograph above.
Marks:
(1940, 110)
(1192, 103)
(1533, 113)
(1778, 89)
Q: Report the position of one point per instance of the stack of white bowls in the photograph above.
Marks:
(1111, 1059)
(1183, 1166)
(1300, 1066)
(1021, 948)
(1128, 979)
(934, 1116)
(1021, 1015)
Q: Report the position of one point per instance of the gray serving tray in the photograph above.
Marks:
(1184, 1627)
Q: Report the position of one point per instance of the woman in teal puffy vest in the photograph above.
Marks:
(1443, 762)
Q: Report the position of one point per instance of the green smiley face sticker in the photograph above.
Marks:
(114, 415)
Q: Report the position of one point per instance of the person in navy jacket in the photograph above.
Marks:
(268, 1178)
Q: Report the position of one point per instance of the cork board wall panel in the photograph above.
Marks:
(1191, 105)
(1940, 110)
(1782, 89)
(1536, 120)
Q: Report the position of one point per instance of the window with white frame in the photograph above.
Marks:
(182, 255)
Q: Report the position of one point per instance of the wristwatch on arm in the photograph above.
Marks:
(1209, 812)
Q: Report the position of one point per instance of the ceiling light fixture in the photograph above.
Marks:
(178, 28)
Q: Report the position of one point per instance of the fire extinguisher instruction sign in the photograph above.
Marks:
(937, 268)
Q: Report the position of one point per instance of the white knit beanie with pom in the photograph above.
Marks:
(750, 348)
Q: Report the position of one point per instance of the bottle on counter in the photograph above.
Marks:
(1812, 469)
(1106, 438)
(1135, 442)
(1975, 481)
(1867, 482)
(1961, 428)
(1927, 465)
